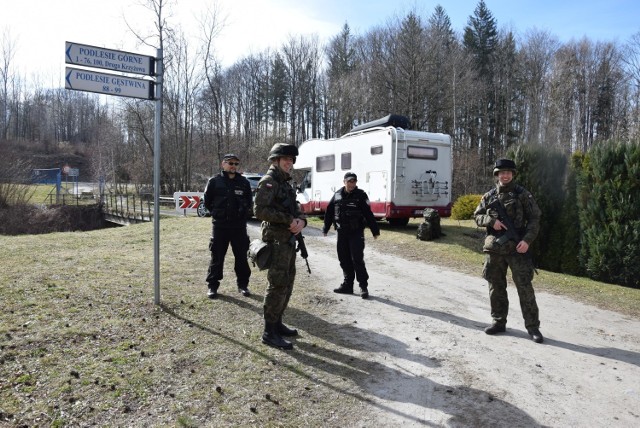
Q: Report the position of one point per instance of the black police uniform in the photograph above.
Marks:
(350, 213)
(230, 203)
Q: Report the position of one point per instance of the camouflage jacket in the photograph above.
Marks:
(275, 205)
(521, 208)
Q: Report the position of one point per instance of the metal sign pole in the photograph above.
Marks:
(156, 178)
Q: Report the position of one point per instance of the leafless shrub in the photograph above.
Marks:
(33, 219)
(14, 182)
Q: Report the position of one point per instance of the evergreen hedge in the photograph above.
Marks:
(542, 172)
(590, 203)
(608, 199)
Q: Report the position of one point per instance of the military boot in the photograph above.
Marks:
(283, 330)
(272, 338)
(535, 334)
(495, 328)
(364, 291)
(344, 289)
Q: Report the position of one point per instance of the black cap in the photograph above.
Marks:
(350, 176)
(230, 156)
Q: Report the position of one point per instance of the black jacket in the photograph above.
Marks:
(228, 200)
(350, 212)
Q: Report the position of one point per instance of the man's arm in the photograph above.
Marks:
(369, 217)
(209, 194)
(248, 196)
(328, 215)
(481, 215)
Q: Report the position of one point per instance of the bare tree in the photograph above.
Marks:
(536, 56)
(301, 59)
(7, 80)
(211, 127)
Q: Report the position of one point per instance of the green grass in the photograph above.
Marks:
(82, 342)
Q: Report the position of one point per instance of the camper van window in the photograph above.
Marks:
(345, 161)
(416, 152)
(326, 163)
(306, 181)
(376, 150)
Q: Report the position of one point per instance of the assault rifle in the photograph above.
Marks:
(510, 233)
(303, 249)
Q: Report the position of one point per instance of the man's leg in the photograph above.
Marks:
(282, 329)
(344, 257)
(240, 246)
(278, 291)
(356, 247)
(495, 272)
(218, 245)
(522, 274)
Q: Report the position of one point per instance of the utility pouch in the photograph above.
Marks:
(260, 253)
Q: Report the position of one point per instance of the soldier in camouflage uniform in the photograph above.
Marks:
(275, 205)
(521, 208)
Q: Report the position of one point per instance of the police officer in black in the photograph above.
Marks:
(350, 213)
(228, 198)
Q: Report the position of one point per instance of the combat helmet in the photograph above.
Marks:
(281, 149)
(504, 165)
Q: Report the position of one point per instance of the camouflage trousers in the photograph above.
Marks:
(281, 275)
(495, 272)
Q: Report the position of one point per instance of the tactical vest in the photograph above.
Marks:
(229, 202)
(347, 214)
(513, 206)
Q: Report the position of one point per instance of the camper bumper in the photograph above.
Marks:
(393, 211)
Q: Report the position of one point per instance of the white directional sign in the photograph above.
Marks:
(92, 56)
(111, 84)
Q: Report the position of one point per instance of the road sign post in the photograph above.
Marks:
(122, 85)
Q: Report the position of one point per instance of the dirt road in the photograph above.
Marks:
(432, 365)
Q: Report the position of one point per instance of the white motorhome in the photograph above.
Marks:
(402, 171)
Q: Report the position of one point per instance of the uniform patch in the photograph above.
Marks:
(239, 192)
(269, 185)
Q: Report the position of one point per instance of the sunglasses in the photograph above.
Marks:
(233, 163)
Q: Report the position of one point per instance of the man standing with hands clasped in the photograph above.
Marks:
(506, 207)
(228, 198)
(350, 213)
(281, 220)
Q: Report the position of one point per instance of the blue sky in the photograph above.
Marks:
(40, 27)
(596, 19)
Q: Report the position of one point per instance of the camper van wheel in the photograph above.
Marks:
(398, 222)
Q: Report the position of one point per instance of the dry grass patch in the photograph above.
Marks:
(83, 343)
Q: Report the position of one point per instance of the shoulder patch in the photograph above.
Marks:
(269, 185)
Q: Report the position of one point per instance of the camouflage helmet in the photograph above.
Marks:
(281, 149)
(504, 165)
